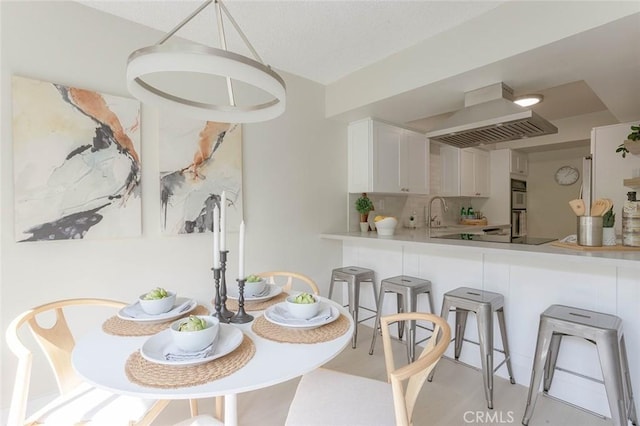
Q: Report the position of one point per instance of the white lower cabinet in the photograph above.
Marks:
(387, 158)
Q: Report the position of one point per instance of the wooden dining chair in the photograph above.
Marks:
(287, 280)
(78, 402)
(327, 397)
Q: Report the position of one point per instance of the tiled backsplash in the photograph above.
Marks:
(418, 205)
(403, 206)
(385, 205)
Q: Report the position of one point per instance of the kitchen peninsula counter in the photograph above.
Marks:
(531, 278)
(420, 237)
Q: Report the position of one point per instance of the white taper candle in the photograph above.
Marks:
(241, 252)
(223, 221)
(216, 238)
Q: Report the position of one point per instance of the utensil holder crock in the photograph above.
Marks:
(590, 231)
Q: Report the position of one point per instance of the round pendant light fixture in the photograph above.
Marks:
(528, 100)
(211, 61)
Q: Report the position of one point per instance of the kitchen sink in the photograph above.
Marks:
(439, 227)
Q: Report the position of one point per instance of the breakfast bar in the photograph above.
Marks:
(531, 278)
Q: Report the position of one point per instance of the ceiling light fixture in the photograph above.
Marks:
(208, 60)
(528, 100)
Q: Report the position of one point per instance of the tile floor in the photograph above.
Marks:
(454, 398)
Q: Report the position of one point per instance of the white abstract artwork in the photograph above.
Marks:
(76, 163)
(198, 161)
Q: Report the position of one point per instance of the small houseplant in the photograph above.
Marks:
(632, 144)
(364, 205)
(608, 232)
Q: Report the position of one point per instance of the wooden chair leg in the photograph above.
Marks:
(193, 405)
(220, 408)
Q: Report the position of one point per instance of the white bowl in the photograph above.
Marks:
(386, 226)
(192, 341)
(302, 310)
(255, 288)
(158, 306)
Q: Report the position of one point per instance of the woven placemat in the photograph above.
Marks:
(121, 327)
(261, 305)
(150, 374)
(271, 331)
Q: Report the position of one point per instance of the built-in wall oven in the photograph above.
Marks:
(518, 209)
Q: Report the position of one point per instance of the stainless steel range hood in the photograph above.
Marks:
(490, 116)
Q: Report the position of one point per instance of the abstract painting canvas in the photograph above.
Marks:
(76, 163)
(198, 161)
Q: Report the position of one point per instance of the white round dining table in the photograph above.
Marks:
(99, 358)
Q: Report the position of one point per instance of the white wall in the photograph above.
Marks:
(294, 180)
(610, 169)
(548, 211)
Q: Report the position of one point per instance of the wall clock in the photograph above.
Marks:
(567, 175)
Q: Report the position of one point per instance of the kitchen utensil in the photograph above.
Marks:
(577, 206)
(610, 202)
(586, 184)
(599, 207)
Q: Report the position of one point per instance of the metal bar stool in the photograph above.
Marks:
(483, 303)
(603, 330)
(354, 276)
(407, 290)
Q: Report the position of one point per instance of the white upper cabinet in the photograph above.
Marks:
(417, 161)
(519, 163)
(463, 172)
(474, 173)
(449, 171)
(386, 158)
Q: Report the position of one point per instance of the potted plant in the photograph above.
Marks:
(364, 205)
(632, 144)
(608, 232)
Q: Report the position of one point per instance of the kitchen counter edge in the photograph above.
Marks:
(420, 239)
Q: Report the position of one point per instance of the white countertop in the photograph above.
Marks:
(419, 237)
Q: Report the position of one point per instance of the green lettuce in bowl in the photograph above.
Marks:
(195, 332)
(157, 301)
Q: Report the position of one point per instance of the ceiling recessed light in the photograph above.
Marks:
(528, 100)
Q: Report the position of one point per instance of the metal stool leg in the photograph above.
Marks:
(333, 280)
(550, 367)
(412, 306)
(400, 305)
(627, 376)
(485, 335)
(376, 325)
(432, 307)
(444, 313)
(539, 361)
(609, 353)
(375, 294)
(354, 304)
(505, 343)
(461, 325)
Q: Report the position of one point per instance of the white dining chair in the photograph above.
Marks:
(78, 402)
(289, 280)
(327, 397)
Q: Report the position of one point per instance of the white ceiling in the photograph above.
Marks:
(319, 40)
(327, 40)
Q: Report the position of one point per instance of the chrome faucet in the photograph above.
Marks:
(444, 206)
